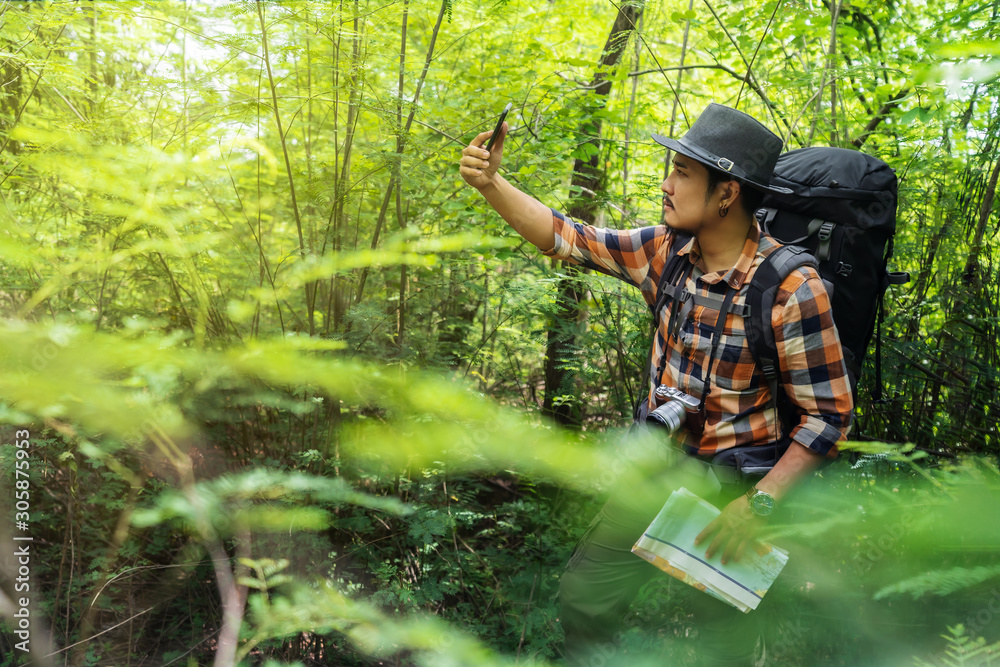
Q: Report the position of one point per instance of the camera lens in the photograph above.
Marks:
(670, 415)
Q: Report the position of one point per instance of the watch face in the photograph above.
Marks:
(761, 504)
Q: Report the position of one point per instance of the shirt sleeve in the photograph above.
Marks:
(625, 254)
(812, 365)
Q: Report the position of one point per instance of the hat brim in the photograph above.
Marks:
(710, 161)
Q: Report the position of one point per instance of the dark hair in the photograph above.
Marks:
(751, 197)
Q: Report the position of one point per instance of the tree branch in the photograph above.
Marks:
(882, 114)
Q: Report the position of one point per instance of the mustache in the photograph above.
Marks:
(667, 201)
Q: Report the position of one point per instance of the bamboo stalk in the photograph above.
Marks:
(395, 176)
(677, 90)
(336, 221)
(831, 55)
(400, 218)
(310, 287)
(628, 127)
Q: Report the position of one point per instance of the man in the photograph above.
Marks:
(722, 166)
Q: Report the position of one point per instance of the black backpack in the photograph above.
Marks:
(839, 217)
(842, 211)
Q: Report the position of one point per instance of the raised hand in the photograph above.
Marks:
(477, 166)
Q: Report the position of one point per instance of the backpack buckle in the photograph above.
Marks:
(825, 231)
(844, 269)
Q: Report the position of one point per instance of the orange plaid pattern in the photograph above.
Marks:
(738, 407)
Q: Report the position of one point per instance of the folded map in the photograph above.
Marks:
(668, 544)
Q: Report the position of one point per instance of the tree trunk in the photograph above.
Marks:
(588, 178)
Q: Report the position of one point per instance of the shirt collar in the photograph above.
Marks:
(735, 276)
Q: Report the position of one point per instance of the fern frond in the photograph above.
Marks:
(941, 582)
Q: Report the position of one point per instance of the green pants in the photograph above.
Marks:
(603, 575)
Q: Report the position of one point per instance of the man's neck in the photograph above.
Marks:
(721, 245)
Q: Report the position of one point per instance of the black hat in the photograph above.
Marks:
(732, 142)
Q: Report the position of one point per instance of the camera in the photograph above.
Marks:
(674, 410)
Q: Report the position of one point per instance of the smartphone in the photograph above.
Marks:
(496, 130)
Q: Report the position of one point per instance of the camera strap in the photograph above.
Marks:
(720, 324)
(682, 303)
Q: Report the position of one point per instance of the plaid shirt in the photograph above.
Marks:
(738, 407)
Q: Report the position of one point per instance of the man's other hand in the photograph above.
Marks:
(734, 531)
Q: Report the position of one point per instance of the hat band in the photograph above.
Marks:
(713, 160)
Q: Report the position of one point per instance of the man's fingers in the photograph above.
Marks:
(734, 549)
(483, 137)
(480, 140)
(717, 543)
(741, 549)
(470, 166)
(475, 152)
(474, 161)
(707, 532)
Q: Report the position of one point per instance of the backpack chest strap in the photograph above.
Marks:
(680, 294)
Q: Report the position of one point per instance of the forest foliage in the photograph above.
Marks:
(295, 395)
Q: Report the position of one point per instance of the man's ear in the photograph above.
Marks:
(730, 192)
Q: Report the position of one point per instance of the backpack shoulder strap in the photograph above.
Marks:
(667, 286)
(777, 265)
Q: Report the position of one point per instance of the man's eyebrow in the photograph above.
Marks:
(680, 163)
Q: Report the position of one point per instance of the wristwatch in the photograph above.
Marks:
(761, 503)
